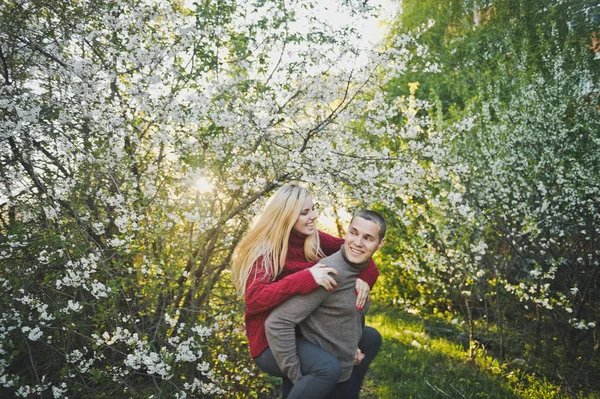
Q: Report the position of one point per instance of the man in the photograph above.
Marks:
(330, 319)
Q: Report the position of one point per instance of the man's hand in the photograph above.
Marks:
(320, 273)
(358, 357)
(362, 293)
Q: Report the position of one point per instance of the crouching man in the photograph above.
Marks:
(330, 319)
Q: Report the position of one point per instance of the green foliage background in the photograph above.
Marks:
(523, 75)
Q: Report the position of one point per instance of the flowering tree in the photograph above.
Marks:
(138, 139)
(434, 261)
(535, 177)
(520, 242)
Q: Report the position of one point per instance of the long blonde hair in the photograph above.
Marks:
(268, 237)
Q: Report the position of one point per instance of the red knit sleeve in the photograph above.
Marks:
(369, 274)
(294, 267)
(263, 294)
(331, 244)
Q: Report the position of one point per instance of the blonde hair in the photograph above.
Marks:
(268, 237)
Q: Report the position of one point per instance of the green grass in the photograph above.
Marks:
(413, 364)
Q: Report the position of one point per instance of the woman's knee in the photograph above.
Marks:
(329, 367)
(267, 363)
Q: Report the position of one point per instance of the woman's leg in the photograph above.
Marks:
(320, 370)
(267, 363)
(369, 344)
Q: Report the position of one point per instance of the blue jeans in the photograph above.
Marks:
(320, 371)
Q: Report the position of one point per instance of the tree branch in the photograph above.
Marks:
(4, 69)
(41, 50)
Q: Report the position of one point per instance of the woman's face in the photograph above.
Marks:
(305, 224)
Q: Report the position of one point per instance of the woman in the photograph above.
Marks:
(276, 260)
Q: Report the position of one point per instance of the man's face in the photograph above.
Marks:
(362, 240)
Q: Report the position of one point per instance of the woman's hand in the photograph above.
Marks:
(320, 273)
(358, 357)
(362, 293)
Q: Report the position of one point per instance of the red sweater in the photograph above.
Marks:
(262, 295)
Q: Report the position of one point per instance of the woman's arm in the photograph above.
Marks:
(369, 274)
(263, 294)
(364, 282)
(329, 244)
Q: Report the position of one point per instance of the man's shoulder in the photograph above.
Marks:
(334, 258)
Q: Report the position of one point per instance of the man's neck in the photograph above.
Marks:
(358, 266)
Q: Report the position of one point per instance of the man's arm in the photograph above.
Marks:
(281, 334)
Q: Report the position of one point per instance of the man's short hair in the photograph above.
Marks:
(374, 217)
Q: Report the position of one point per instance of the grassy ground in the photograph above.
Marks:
(415, 364)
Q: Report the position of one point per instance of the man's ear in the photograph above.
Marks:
(381, 244)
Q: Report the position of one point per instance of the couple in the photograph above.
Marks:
(276, 268)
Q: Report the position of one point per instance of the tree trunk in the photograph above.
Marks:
(538, 331)
(596, 339)
(476, 16)
(338, 223)
(499, 318)
(470, 321)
